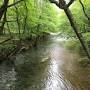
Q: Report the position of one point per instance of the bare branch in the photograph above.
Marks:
(71, 1)
(1, 9)
(9, 21)
(14, 3)
(84, 10)
(61, 4)
(55, 2)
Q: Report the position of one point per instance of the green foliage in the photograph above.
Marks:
(82, 22)
(32, 17)
(73, 45)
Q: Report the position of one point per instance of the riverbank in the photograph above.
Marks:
(9, 47)
(42, 75)
(75, 46)
(49, 66)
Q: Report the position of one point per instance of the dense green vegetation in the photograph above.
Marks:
(81, 20)
(27, 20)
(83, 24)
(34, 20)
(31, 18)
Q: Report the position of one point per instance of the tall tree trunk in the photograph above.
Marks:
(75, 28)
(62, 3)
(3, 8)
(3, 23)
(3, 11)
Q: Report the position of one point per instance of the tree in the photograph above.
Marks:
(62, 4)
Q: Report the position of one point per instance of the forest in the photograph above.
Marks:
(28, 31)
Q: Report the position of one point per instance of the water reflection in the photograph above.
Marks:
(7, 76)
(58, 72)
(49, 67)
(55, 80)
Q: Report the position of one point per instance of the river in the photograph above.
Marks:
(47, 67)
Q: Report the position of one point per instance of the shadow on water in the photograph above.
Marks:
(49, 67)
(7, 76)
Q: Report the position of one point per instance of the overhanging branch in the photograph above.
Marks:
(14, 3)
(10, 5)
(55, 2)
(71, 2)
(84, 10)
(60, 5)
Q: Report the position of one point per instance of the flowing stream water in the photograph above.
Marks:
(47, 67)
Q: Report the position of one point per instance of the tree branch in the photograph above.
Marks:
(71, 2)
(84, 10)
(1, 9)
(59, 4)
(55, 2)
(14, 3)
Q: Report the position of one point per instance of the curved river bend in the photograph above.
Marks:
(47, 67)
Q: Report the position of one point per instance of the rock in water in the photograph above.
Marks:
(45, 59)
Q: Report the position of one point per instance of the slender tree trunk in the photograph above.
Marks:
(75, 28)
(2, 10)
(73, 24)
(3, 23)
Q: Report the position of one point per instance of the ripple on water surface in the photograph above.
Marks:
(49, 67)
